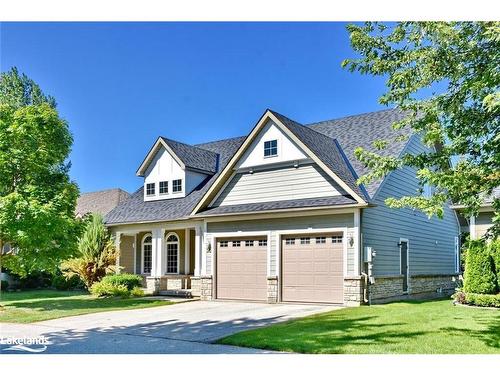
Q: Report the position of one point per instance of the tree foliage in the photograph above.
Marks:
(479, 276)
(37, 198)
(445, 76)
(96, 256)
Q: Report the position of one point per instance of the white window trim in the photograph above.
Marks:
(401, 239)
(154, 185)
(142, 253)
(457, 254)
(277, 148)
(178, 242)
(182, 186)
(159, 188)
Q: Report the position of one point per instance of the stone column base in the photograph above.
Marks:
(353, 290)
(272, 289)
(195, 286)
(206, 288)
(153, 285)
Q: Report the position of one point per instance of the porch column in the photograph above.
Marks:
(357, 241)
(157, 262)
(198, 246)
(187, 248)
(118, 238)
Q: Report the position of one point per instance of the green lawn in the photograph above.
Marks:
(402, 327)
(37, 305)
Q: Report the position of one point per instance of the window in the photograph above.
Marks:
(236, 243)
(457, 254)
(150, 189)
(336, 239)
(163, 187)
(147, 253)
(262, 242)
(248, 243)
(290, 241)
(427, 191)
(172, 253)
(176, 186)
(223, 243)
(320, 239)
(305, 241)
(270, 148)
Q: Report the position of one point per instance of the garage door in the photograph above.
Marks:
(312, 268)
(242, 268)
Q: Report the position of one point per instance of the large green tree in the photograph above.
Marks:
(446, 77)
(37, 198)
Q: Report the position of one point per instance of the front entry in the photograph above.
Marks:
(242, 268)
(313, 268)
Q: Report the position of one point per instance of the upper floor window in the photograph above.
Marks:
(176, 186)
(150, 189)
(270, 148)
(163, 187)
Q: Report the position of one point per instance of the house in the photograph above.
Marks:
(477, 226)
(102, 201)
(277, 216)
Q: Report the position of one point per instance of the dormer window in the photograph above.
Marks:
(150, 189)
(163, 187)
(177, 186)
(270, 148)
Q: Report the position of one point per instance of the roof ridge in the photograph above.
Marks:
(103, 190)
(187, 144)
(220, 140)
(351, 116)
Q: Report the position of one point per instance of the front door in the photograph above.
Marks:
(404, 263)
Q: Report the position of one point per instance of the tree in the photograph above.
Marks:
(37, 198)
(445, 77)
(96, 255)
(479, 276)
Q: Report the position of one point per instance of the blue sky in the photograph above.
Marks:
(121, 85)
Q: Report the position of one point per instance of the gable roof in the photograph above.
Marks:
(333, 142)
(361, 131)
(190, 157)
(99, 201)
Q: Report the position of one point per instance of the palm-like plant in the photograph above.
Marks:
(97, 254)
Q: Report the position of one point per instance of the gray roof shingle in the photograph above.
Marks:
(194, 157)
(99, 201)
(333, 141)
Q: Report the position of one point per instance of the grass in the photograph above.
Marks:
(430, 327)
(38, 305)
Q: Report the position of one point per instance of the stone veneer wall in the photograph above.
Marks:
(206, 292)
(386, 287)
(444, 284)
(272, 289)
(196, 286)
(353, 290)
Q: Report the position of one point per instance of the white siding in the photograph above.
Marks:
(431, 242)
(307, 181)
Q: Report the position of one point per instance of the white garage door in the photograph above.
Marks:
(242, 268)
(312, 268)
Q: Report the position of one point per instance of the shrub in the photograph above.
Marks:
(137, 292)
(479, 276)
(35, 279)
(483, 300)
(495, 254)
(104, 289)
(60, 282)
(126, 279)
(460, 297)
(4, 284)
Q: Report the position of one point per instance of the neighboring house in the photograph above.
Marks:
(102, 201)
(277, 216)
(478, 226)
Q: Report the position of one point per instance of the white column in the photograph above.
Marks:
(118, 238)
(186, 251)
(198, 238)
(472, 227)
(357, 240)
(157, 261)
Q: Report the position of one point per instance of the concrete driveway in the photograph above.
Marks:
(189, 327)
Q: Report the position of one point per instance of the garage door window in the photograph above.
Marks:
(236, 243)
(290, 241)
(336, 239)
(262, 242)
(223, 243)
(248, 243)
(320, 239)
(305, 241)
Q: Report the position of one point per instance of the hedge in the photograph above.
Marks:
(479, 276)
(128, 280)
(483, 300)
(495, 254)
(121, 285)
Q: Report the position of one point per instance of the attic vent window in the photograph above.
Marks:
(270, 148)
(150, 189)
(176, 186)
(163, 187)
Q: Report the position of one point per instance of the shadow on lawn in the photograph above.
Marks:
(490, 335)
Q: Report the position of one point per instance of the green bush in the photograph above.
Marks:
(483, 300)
(104, 289)
(137, 292)
(479, 276)
(60, 282)
(36, 280)
(128, 280)
(495, 254)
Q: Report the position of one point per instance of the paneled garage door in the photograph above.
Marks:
(312, 268)
(242, 268)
